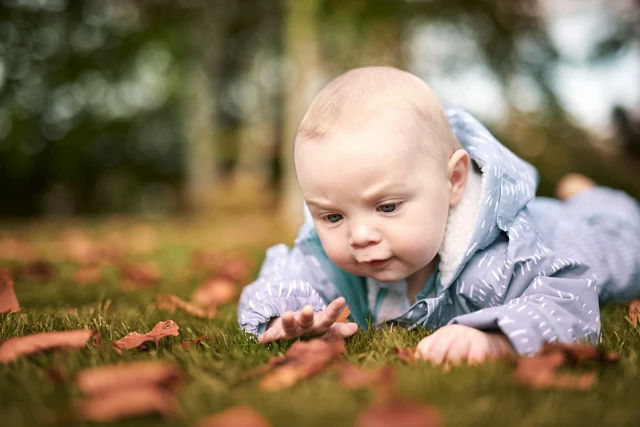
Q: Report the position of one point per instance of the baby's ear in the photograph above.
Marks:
(457, 172)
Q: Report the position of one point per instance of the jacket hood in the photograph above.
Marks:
(499, 186)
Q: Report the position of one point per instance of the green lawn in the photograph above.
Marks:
(39, 389)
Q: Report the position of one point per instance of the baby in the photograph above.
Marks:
(417, 215)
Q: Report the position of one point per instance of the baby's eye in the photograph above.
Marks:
(333, 217)
(388, 207)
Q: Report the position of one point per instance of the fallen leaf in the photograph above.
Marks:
(87, 274)
(541, 370)
(188, 343)
(160, 330)
(398, 413)
(141, 275)
(237, 416)
(344, 314)
(8, 299)
(214, 292)
(104, 379)
(170, 302)
(302, 360)
(40, 271)
(15, 249)
(124, 390)
(236, 268)
(634, 312)
(127, 403)
(406, 354)
(13, 348)
(353, 377)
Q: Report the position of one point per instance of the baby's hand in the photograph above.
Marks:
(307, 322)
(454, 344)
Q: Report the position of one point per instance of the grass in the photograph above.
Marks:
(465, 396)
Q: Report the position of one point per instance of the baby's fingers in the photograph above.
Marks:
(343, 329)
(304, 317)
(331, 312)
(289, 324)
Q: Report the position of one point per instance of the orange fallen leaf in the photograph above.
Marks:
(406, 354)
(124, 390)
(127, 403)
(188, 343)
(8, 299)
(160, 330)
(13, 348)
(104, 379)
(87, 274)
(141, 275)
(540, 371)
(15, 249)
(237, 416)
(634, 312)
(398, 413)
(344, 314)
(353, 377)
(214, 292)
(170, 302)
(302, 360)
(236, 268)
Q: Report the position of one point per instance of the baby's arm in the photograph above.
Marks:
(453, 344)
(307, 322)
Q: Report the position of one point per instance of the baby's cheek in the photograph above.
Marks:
(336, 252)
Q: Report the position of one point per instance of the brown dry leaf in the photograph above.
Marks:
(236, 268)
(170, 302)
(87, 274)
(40, 271)
(344, 314)
(105, 379)
(237, 416)
(214, 292)
(141, 275)
(540, 370)
(15, 249)
(160, 330)
(398, 413)
(188, 343)
(127, 403)
(302, 360)
(353, 377)
(578, 352)
(8, 299)
(13, 348)
(406, 354)
(634, 312)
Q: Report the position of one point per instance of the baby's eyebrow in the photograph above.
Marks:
(318, 204)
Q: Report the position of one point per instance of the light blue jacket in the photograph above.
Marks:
(534, 268)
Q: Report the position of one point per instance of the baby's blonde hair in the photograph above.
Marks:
(362, 93)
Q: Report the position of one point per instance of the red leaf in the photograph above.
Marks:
(238, 416)
(127, 403)
(406, 354)
(188, 343)
(104, 379)
(87, 274)
(302, 360)
(634, 312)
(352, 377)
(160, 330)
(13, 348)
(170, 302)
(142, 275)
(124, 390)
(214, 292)
(8, 300)
(398, 413)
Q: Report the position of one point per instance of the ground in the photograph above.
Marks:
(39, 389)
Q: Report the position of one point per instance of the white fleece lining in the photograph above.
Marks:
(460, 226)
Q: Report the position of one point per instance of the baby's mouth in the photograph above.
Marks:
(378, 264)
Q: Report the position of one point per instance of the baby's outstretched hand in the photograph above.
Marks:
(454, 344)
(307, 322)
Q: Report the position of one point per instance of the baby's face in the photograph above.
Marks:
(379, 204)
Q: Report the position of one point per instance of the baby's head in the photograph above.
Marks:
(379, 168)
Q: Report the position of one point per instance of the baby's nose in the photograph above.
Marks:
(362, 234)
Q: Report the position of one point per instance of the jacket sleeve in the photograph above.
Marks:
(560, 307)
(288, 280)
